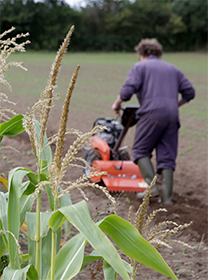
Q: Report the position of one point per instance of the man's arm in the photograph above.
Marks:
(181, 102)
(186, 89)
(131, 86)
(117, 104)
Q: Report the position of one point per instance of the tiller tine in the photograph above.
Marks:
(121, 176)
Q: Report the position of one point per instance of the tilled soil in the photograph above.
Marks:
(190, 199)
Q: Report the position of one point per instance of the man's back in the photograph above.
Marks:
(156, 84)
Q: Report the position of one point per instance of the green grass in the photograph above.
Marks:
(189, 63)
(101, 77)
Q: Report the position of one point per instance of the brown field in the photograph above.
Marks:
(190, 178)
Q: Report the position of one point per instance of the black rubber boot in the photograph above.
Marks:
(167, 186)
(147, 171)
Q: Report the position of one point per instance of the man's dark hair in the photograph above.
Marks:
(147, 47)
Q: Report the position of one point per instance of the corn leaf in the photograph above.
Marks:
(12, 127)
(78, 215)
(46, 156)
(57, 221)
(90, 259)
(4, 181)
(69, 259)
(45, 247)
(3, 246)
(29, 187)
(65, 200)
(26, 203)
(45, 242)
(16, 176)
(25, 257)
(96, 256)
(131, 243)
(3, 211)
(109, 272)
(27, 272)
(50, 196)
(3, 223)
(31, 221)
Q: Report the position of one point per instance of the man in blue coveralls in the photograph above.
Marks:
(156, 84)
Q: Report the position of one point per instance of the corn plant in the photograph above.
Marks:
(46, 257)
(159, 235)
(9, 126)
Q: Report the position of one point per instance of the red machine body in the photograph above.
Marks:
(105, 154)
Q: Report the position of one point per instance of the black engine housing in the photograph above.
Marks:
(111, 132)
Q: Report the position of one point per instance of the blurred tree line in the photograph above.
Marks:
(109, 25)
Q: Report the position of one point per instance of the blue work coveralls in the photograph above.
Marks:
(157, 84)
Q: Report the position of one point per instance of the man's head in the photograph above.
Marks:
(147, 47)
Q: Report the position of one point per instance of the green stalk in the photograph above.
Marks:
(37, 256)
(38, 241)
(53, 254)
(133, 276)
(53, 247)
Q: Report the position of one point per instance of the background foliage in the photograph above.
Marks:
(109, 25)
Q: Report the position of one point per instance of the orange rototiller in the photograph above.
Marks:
(106, 154)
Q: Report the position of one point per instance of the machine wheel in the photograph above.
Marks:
(91, 156)
(123, 155)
